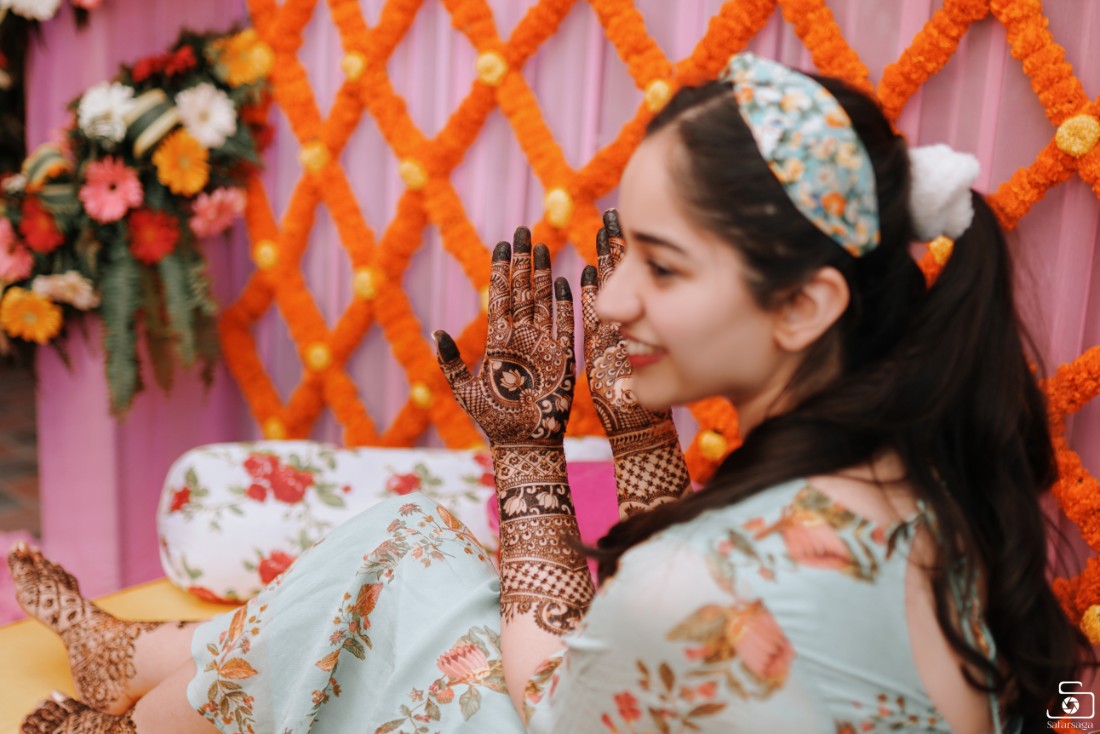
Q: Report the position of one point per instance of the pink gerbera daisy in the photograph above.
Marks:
(16, 261)
(110, 190)
(214, 212)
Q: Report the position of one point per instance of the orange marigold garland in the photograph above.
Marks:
(571, 214)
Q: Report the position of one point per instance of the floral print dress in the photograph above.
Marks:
(785, 612)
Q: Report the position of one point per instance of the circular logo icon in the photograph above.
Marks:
(1070, 705)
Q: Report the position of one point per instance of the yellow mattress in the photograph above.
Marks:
(32, 659)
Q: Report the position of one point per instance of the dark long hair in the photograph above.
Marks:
(938, 375)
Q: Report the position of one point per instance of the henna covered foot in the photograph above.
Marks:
(63, 715)
(100, 646)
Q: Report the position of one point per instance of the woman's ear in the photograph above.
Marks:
(811, 310)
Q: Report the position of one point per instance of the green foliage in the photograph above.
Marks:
(178, 305)
(120, 288)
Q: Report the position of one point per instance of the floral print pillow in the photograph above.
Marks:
(234, 516)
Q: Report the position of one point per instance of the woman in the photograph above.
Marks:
(870, 559)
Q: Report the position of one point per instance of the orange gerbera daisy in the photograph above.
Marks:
(243, 58)
(182, 164)
(26, 315)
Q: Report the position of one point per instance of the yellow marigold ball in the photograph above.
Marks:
(713, 445)
(491, 67)
(363, 283)
(265, 254)
(315, 156)
(941, 249)
(1078, 135)
(1090, 623)
(413, 174)
(657, 94)
(420, 394)
(318, 357)
(559, 207)
(274, 429)
(353, 65)
(484, 296)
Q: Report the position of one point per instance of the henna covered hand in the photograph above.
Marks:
(521, 398)
(649, 465)
(524, 390)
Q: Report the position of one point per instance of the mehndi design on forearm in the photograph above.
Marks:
(521, 399)
(541, 571)
(649, 465)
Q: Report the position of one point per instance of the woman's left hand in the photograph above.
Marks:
(524, 390)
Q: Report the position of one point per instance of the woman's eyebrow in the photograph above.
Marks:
(655, 241)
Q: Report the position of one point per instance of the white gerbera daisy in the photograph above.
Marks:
(32, 9)
(102, 110)
(207, 113)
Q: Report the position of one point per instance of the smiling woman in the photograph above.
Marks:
(848, 568)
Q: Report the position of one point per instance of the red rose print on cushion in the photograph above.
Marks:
(274, 564)
(257, 492)
(261, 466)
(289, 484)
(403, 483)
(208, 595)
(485, 459)
(180, 499)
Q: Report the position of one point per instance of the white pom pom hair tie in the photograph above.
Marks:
(939, 193)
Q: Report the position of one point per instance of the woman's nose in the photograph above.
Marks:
(617, 300)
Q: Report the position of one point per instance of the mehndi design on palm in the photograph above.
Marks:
(649, 465)
(524, 390)
(521, 398)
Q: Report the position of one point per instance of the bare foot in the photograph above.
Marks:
(100, 646)
(63, 715)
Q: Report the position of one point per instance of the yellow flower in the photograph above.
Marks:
(181, 163)
(27, 315)
(243, 58)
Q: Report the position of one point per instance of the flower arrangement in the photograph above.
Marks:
(108, 215)
(40, 10)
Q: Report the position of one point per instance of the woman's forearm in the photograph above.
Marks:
(545, 585)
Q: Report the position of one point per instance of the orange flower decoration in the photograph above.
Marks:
(26, 315)
(182, 164)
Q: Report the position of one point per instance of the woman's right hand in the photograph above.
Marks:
(524, 390)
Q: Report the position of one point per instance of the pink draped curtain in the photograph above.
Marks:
(94, 469)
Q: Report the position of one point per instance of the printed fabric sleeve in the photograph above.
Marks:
(669, 644)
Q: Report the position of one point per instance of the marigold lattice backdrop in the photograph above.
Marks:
(379, 261)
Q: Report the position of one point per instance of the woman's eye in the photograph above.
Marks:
(657, 270)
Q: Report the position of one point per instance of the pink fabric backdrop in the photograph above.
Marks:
(100, 479)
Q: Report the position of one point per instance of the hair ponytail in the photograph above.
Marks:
(938, 375)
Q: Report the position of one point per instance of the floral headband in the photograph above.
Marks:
(807, 140)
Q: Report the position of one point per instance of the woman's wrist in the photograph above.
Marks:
(650, 468)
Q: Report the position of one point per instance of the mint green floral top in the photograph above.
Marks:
(783, 613)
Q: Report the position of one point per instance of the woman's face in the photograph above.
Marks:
(690, 323)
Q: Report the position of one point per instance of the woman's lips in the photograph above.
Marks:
(640, 354)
